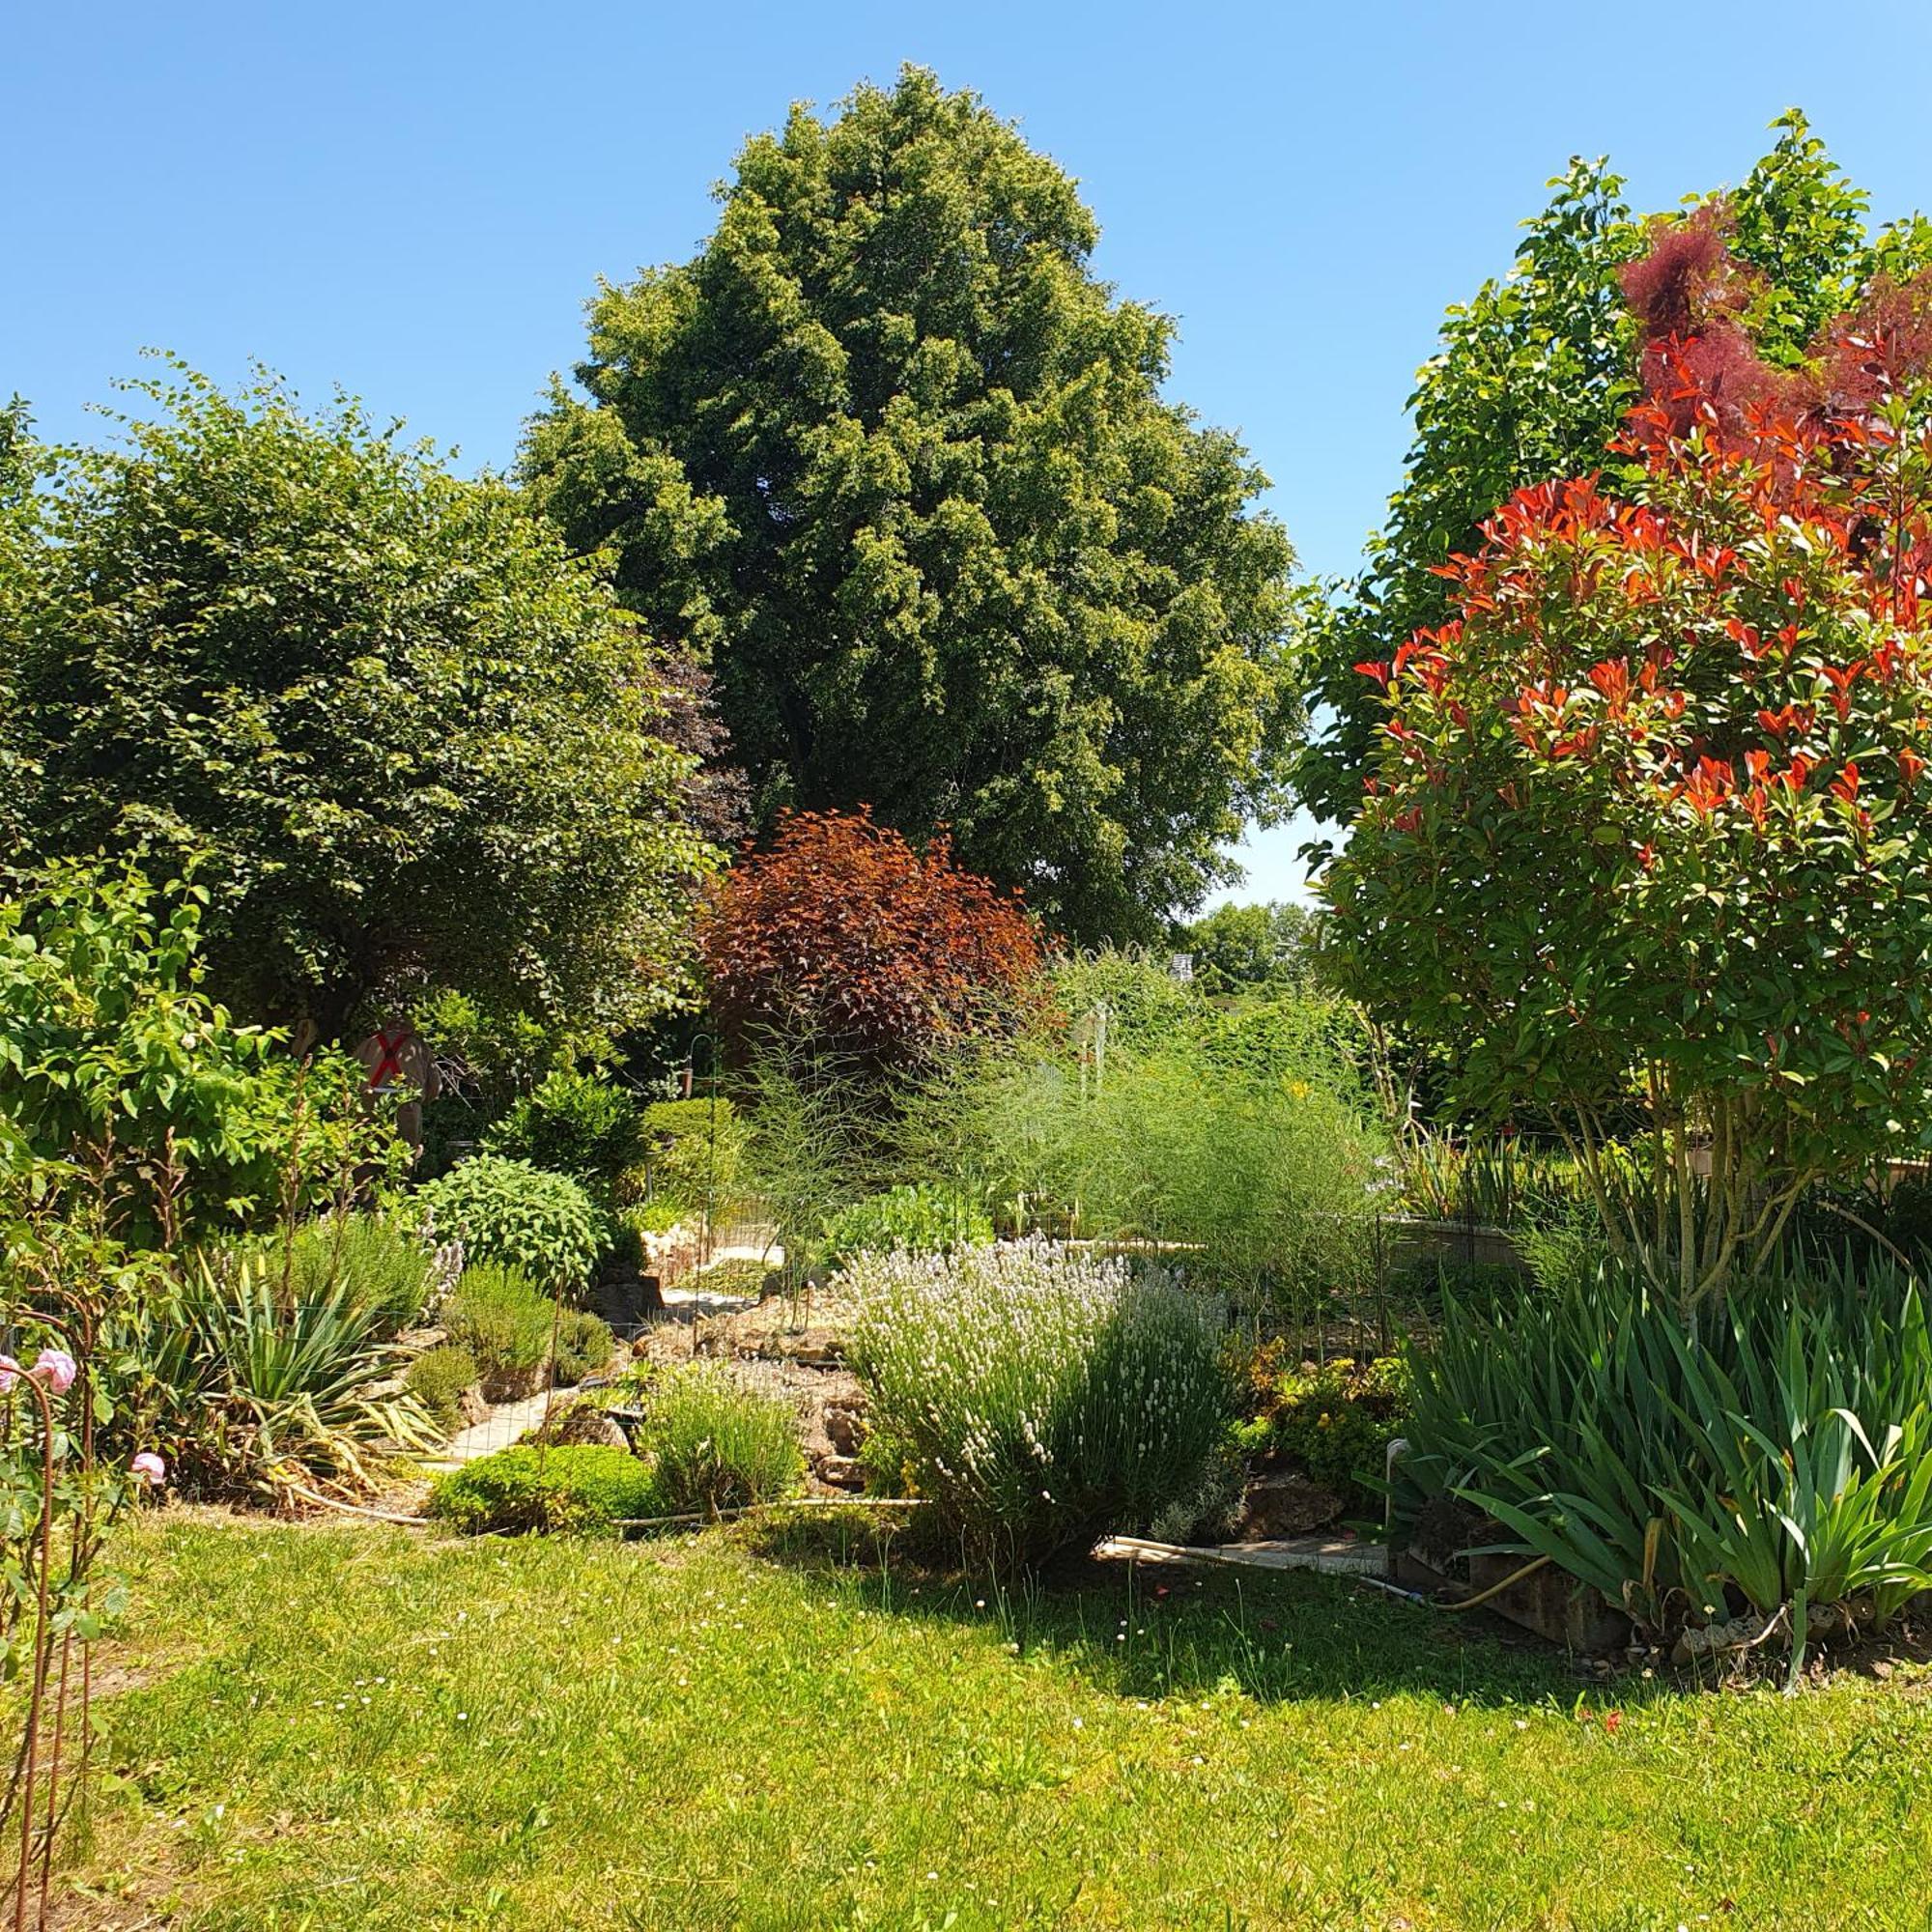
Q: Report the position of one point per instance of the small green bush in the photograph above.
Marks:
(1335, 1418)
(1041, 1395)
(574, 1489)
(716, 1445)
(574, 1123)
(505, 1323)
(923, 1219)
(654, 1217)
(695, 1150)
(584, 1346)
(438, 1377)
(381, 1267)
(518, 1215)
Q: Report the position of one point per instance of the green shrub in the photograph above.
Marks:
(1774, 1454)
(920, 1217)
(1335, 1418)
(510, 1213)
(1040, 1397)
(1146, 1006)
(574, 1489)
(1250, 1144)
(438, 1379)
(505, 1323)
(694, 1152)
(574, 1123)
(716, 1445)
(584, 1346)
(653, 1217)
(380, 1266)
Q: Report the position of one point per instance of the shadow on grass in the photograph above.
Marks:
(1145, 1631)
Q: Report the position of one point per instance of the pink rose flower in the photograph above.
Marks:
(150, 1468)
(10, 1373)
(57, 1369)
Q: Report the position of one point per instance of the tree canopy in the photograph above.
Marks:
(890, 453)
(1248, 948)
(407, 740)
(1531, 383)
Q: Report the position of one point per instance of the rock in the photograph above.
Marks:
(1287, 1505)
(839, 1472)
(626, 1300)
(806, 1351)
(513, 1384)
(471, 1408)
(582, 1422)
(420, 1340)
(845, 1426)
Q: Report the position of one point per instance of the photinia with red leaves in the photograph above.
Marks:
(1646, 839)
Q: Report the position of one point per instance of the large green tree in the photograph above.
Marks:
(408, 740)
(1531, 383)
(902, 463)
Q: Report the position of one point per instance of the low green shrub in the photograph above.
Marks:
(921, 1219)
(584, 1346)
(505, 1323)
(572, 1488)
(438, 1379)
(715, 1444)
(379, 1265)
(1772, 1456)
(1335, 1418)
(1040, 1397)
(510, 1213)
(575, 1123)
(693, 1152)
(633, 1228)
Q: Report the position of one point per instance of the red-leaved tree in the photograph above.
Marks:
(1651, 830)
(842, 936)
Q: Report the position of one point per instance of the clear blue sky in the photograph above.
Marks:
(414, 199)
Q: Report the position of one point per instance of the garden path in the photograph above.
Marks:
(503, 1426)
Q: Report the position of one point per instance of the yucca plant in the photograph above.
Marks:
(1774, 1456)
(252, 1390)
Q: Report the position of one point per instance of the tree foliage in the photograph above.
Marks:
(1649, 828)
(842, 933)
(131, 1099)
(1531, 383)
(890, 453)
(410, 740)
(1246, 948)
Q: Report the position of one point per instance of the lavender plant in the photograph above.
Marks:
(1037, 1395)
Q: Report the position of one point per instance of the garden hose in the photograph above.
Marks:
(1534, 1564)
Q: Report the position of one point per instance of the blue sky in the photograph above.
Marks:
(413, 200)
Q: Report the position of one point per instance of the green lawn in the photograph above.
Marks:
(350, 1727)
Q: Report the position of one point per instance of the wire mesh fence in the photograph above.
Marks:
(702, 1268)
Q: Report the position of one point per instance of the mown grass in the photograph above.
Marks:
(353, 1727)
